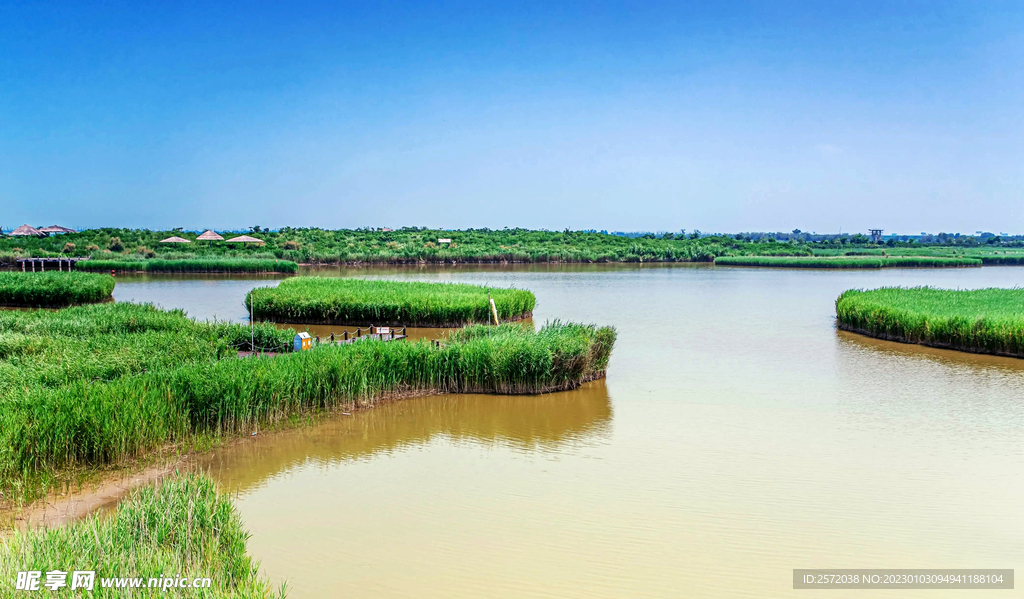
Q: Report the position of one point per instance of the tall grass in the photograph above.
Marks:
(180, 527)
(320, 300)
(847, 262)
(43, 348)
(194, 265)
(982, 321)
(52, 289)
(44, 430)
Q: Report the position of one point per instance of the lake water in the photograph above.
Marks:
(738, 436)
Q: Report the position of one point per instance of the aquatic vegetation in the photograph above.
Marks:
(848, 261)
(179, 527)
(83, 423)
(191, 265)
(321, 300)
(52, 289)
(99, 342)
(981, 321)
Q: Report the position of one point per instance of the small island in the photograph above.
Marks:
(847, 262)
(53, 289)
(985, 321)
(335, 301)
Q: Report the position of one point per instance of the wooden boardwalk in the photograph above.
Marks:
(43, 262)
(337, 340)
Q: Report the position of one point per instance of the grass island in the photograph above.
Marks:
(987, 321)
(848, 262)
(323, 300)
(53, 289)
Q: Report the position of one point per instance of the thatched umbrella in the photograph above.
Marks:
(244, 239)
(56, 229)
(209, 236)
(175, 239)
(27, 231)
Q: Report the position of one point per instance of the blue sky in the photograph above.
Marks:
(624, 116)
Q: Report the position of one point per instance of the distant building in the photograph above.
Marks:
(876, 235)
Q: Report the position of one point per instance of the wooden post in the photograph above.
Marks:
(494, 311)
(346, 334)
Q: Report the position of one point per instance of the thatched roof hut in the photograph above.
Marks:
(175, 239)
(27, 231)
(244, 239)
(209, 236)
(56, 229)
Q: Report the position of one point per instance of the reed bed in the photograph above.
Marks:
(848, 262)
(180, 527)
(321, 300)
(989, 321)
(53, 289)
(194, 265)
(83, 424)
(48, 349)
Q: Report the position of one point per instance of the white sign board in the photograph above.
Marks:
(383, 330)
(444, 240)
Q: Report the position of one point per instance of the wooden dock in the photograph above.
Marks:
(52, 262)
(343, 339)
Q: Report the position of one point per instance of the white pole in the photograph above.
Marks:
(252, 325)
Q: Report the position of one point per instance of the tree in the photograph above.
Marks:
(115, 244)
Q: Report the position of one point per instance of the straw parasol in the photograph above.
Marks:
(56, 229)
(28, 231)
(209, 236)
(244, 239)
(175, 239)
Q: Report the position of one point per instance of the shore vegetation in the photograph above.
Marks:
(181, 527)
(323, 300)
(989, 321)
(191, 265)
(848, 262)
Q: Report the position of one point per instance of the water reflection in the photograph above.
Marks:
(528, 423)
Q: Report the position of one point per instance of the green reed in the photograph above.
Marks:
(52, 289)
(179, 527)
(106, 341)
(192, 265)
(848, 261)
(982, 321)
(321, 300)
(87, 424)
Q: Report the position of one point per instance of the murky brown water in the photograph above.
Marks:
(738, 436)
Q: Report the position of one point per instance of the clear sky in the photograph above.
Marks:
(719, 116)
